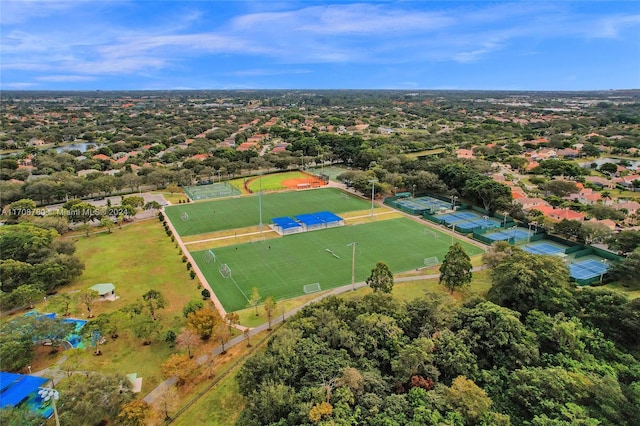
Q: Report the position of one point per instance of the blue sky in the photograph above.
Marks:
(508, 45)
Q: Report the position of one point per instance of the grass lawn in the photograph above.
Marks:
(281, 267)
(631, 293)
(242, 212)
(219, 407)
(126, 355)
(426, 152)
(137, 258)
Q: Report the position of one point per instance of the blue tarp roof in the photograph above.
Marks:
(14, 388)
(285, 222)
(318, 217)
(309, 219)
(328, 217)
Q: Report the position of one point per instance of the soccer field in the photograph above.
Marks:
(244, 211)
(281, 267)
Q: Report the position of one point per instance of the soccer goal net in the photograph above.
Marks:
(430, 232)
(430, 261)
(185, 216)
(209, 256)
(225, 271)
(311, 288)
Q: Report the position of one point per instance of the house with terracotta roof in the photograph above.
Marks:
(200, 156)
(589, 197)
(544, 154)
(626, 181)
(101, 157)
(632, 207)
(568, 153)
(600, 182)
(517, 193)
(610, 224)
(245, 146)
(561, 214)
(531, 203)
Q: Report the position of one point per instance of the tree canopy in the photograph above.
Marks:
(455, 270)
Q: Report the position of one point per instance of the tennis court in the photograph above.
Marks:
(214, 190)
(544, 248)
(281, 267)
(588, 269)
(240, 212)
(421, 204)
(509, 234)
(467, 221)
(451, 218)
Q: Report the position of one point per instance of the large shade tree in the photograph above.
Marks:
(381, 278)
(455, 270)
(525, 281)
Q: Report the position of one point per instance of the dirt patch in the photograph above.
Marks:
(308, 182)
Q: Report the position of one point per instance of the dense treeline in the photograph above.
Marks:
(34, 262)
(537, 353)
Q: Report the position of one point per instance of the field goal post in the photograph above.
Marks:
(184, 216)
(225, 271)
(430, 232)
(430, 261)
(311, 288)
(209, 256)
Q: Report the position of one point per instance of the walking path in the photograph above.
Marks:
(161, 388)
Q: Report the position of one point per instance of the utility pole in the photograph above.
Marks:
(353, 265)
(373, 192)
(260, 203)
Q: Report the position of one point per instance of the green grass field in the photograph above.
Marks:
(281, 267)
(241, 212)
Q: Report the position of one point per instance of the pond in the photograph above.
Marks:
(76, 146)
(601, 161)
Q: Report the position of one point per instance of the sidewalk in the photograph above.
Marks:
(157, 392)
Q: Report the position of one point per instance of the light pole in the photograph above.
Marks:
(513, 229)
(353, 265)
(260, 202)
(453, 202)
(373, 192)
(486, 218)
(453, 229)
(604, 262)
(51, 394)
(414, 190)
(529, 236)
(219, 176)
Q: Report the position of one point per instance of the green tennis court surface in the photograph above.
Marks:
(282, 267)
(217, 215)
(214, 190)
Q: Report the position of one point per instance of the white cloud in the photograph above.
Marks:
(17, 11)
(19, 85)
(378, 33)
(65, 78)
(342, 19)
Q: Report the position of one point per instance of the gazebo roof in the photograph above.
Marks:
(103, 288)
